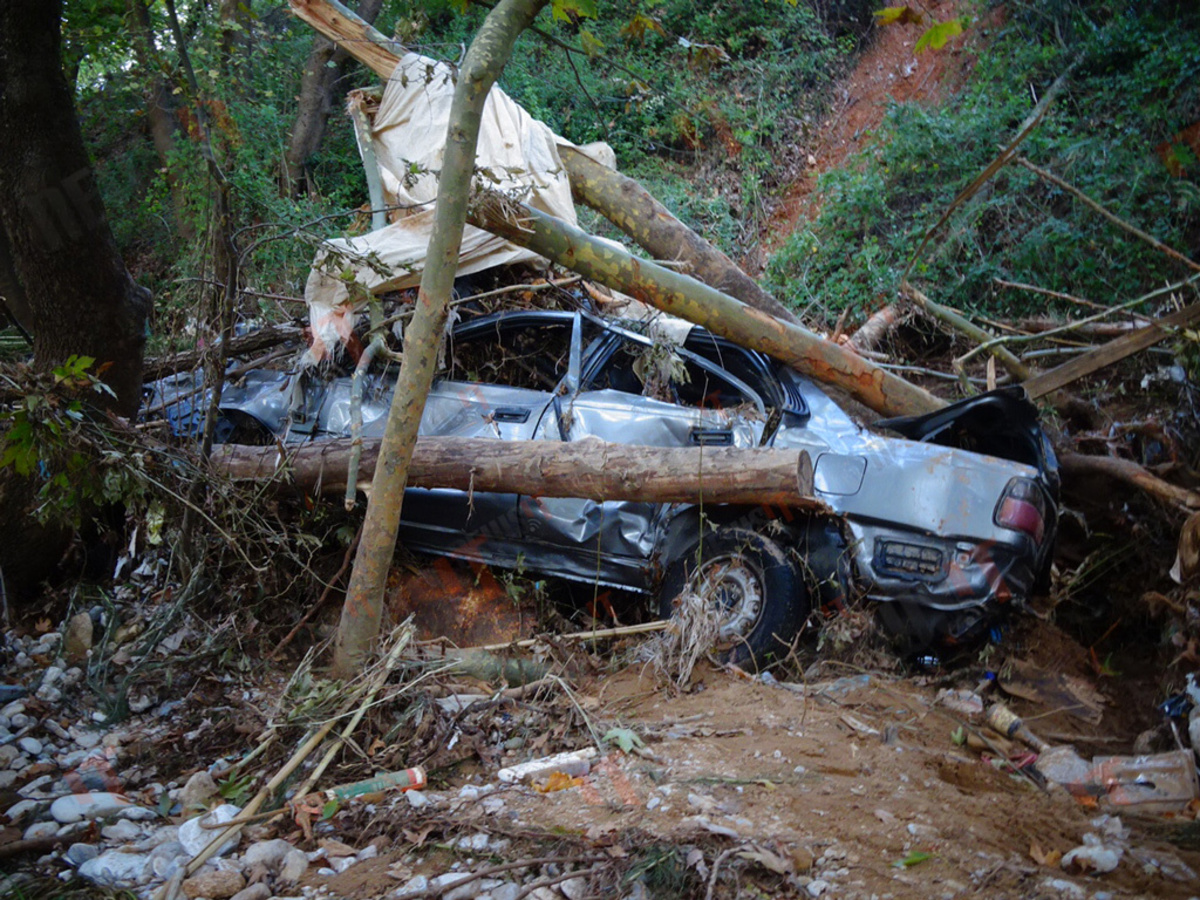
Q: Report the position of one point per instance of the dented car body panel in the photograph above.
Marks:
(941, 526)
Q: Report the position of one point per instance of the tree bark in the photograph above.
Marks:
(1076, 465)
(687, 298)
(363, 608)
(591, 469)
(327, 66)
(81, 298)
(634, 210)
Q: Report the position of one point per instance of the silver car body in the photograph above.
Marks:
(915, 523)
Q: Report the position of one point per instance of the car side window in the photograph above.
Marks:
(535, 356)
(655, 370)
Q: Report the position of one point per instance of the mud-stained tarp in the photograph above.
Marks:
(407, 141)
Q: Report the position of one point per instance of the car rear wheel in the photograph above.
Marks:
(750, 582)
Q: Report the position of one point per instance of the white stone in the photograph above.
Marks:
(340, 864)
(122, 831)
(817, 887)
(21, 720)
(30, 745)
(200, 788)
(53, 675)
(415, 885)
(505, 891)
(293, 867)
(85, 737)
(40, 830)
(416, 799)
(447, 881)
(1064, 887)
(267, 853)
(8, 777)
(77, 807)
(167, 858)
(22, 808)
(49, 693)
(78, 854)
(574, 888)
(115, 869)
(13, 709)
(195, 838)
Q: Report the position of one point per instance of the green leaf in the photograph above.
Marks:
(914, 858)
(591, 44)
(937, 35)
(959, 736)
(573, 10)
(329, 809)
(625, 738)
(897, 15)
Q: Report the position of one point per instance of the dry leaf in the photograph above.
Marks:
(557, 781)
(417, 838)
(768, 860)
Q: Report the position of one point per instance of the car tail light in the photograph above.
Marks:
(1022, 508)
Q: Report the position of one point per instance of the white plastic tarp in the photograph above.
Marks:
(408, 138)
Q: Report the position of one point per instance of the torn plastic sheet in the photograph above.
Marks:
(516, 153)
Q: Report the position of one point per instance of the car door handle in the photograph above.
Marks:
(711, 437)
(510, 414)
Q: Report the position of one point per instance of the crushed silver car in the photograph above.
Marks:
(943, 526)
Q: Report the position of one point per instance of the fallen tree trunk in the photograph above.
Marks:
(590, 468)
(636, 212)
(1125, 470)
(687, 298)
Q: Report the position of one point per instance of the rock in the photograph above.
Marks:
(84, 737)
(416, 799)
(506, 890)
(115, 869)
(167, 858)
(802, 859)
(1092, 857)
(8, 755)
(446, 884)
(122, 831)
(195, 837)
(23, 808)
(77, 807)
(293, 867)
(1064, 888)
(78, 854)
(40, 830)
(30, 745)
(8, 777)
(418, 884)
(817, 887)
(77, 638)
(49, 693)
(267, 853)
(255, 892)
(218, 885)
(200, 788)
(340, 864)
(574, 888)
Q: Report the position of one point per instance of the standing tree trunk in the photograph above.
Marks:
(81, 298)
(160, 112)
(363, 608)
(326, 68)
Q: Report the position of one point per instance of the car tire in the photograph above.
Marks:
(751, 576)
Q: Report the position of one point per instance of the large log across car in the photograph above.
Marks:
(590, 468)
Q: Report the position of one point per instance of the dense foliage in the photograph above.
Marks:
(711, 106)
(1134, 87)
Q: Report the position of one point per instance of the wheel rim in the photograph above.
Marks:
(736, 588)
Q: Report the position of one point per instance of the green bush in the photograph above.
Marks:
(1135, 84)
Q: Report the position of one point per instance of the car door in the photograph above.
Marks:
(640, 392)
(503, 373)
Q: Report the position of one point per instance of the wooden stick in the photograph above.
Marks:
(1085, 364)
(964, 326)
(1116, 220)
